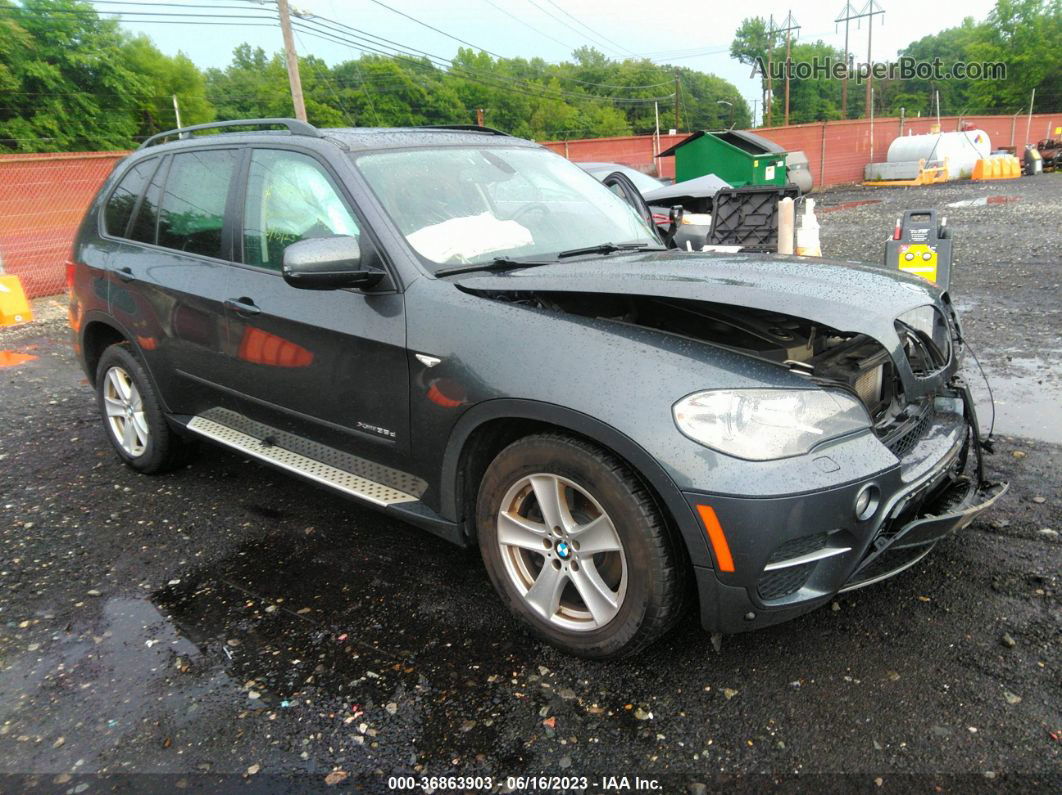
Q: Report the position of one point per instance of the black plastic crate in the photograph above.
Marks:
(748, 216)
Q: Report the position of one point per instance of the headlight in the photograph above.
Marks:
(764, 424)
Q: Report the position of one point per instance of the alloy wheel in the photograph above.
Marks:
(124, 408)
(561, 552)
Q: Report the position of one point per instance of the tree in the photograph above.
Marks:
(167, 77)
(1026, 35)
(72, 87)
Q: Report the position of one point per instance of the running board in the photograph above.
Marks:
(317, 471)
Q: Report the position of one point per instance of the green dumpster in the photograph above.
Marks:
(739, 157)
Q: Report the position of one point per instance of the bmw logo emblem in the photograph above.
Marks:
(563, 550)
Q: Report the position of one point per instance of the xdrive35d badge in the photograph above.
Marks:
(613, 424)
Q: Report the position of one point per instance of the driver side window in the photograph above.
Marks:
(289, 198)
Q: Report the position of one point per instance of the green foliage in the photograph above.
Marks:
(1024, 35)
(79, 82)
(1027, 36)
(71, 81)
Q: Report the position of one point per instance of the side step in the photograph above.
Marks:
(346, 482)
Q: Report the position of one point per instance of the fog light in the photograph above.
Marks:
(866, 503)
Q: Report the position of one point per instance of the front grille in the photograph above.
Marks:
(783, 582)
(905, 442)
(796, 547)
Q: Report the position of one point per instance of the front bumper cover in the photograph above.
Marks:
(926, 497)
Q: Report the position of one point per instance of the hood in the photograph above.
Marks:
(700, 187)
(843, 295)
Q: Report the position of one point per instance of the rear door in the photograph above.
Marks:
(327, 365)
(169, 276)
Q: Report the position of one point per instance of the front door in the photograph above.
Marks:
(327, 365)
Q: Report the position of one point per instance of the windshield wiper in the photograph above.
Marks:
(609, 248)
(496, 264)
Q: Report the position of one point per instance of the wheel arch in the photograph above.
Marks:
(486, 429)
(100, 331)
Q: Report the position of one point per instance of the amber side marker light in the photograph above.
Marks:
(716, 537)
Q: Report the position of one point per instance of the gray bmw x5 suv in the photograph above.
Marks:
(473, 335)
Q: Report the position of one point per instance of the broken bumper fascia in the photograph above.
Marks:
(924, 499)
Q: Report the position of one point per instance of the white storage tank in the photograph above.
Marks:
(961, 150)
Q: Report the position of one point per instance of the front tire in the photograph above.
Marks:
(576, 547)
(132, 415)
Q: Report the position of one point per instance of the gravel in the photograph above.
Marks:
(225, 622)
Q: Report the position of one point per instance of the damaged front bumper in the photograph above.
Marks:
(793, 554)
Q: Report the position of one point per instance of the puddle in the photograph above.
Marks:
(120, 665)
(1028, 399)
(846, 205)
(14, 358)
(984, 201)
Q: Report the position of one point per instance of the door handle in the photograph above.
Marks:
(125, 274)
(242, 306)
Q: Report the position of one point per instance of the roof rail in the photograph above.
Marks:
(294, 126)
(464, 128)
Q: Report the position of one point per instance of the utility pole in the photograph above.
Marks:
(678, 88)
(869, 10)
(293, 61)
(769, 99)
(177, 111)
(790, 26)
(847, 15)
(1028, 124)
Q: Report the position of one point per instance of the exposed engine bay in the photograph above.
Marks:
(823, 354)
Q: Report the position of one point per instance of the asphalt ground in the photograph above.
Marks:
(225, 626)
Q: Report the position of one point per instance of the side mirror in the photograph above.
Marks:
(327, 263)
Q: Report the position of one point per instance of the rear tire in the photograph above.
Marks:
(132, 415)
(577, 549)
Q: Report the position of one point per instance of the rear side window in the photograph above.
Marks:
(192, 211)
(120, 206)
(289, 198)
(145, 226)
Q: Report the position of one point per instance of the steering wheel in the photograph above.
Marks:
(530, 208)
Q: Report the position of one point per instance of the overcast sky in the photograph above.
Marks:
(693, 33)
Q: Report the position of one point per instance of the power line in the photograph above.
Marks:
(555, 18)
(361, 43)
(359, 33)
(587, 27)
(492, 81)
(327, 80)
(437, 30)
(527, 24)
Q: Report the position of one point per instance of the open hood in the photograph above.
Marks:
(845, 296)
(699, 187)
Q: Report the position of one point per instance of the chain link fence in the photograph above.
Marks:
(44, 196)
(42, 200)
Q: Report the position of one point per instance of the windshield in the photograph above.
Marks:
(467, 206)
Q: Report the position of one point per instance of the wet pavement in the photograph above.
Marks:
(1006, 281)
(228, 625)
